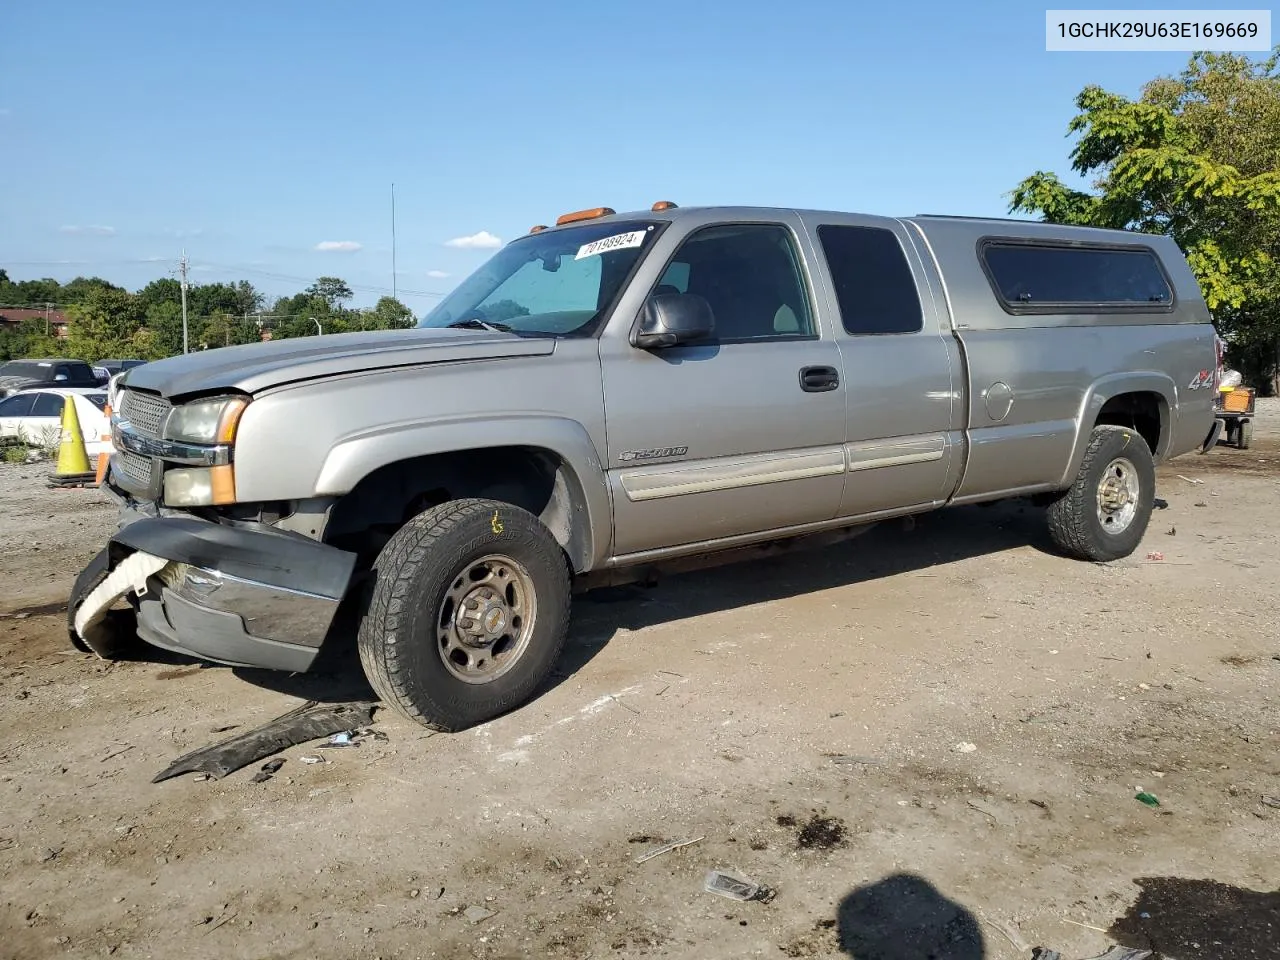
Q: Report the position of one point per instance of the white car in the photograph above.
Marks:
(35, 417)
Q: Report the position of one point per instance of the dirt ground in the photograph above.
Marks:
(927, 741)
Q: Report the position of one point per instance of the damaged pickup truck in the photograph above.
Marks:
(622, 390)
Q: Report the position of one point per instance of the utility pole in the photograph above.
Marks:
(182, 267)
(393, 241)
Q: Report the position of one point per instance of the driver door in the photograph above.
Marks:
(739, 435)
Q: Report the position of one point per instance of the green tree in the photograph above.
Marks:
(1196, 157)
(81, 288)
(388, 314)
(27, 339)
(164, 290)
(333, 291)
(106, 324)
(164, 320)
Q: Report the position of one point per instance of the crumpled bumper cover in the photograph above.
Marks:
(233, 595)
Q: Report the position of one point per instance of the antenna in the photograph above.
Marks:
(393, 241)
(182, 266)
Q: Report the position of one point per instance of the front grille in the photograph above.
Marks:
(135, 469)
(146, 412)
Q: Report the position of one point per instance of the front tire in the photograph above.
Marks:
(1104, 514)
(468, 613)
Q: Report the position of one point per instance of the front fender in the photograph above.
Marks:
(1102, 390)
(354, 457)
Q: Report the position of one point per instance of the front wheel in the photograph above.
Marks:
(1104, 514)
(468, 614)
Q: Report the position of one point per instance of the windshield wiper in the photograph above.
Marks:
(475, 323)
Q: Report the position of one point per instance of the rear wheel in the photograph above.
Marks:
(468, 614)
(1245, 435)
(1104, 515)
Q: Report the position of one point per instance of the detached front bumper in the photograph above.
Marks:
(233, 595)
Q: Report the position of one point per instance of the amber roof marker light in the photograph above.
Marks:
(538, 228)
(591, 214)
(662, 205)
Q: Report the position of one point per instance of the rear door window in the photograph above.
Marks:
(874, 287)
(1041, 277)
(48, 405)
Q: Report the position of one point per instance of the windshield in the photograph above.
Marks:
(555, 283)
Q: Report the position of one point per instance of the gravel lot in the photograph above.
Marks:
(928, 741)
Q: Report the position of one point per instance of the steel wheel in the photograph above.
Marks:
(486, 619)
(1118, 494)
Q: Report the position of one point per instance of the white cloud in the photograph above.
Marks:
(436, 274)
(484, 240)
(338, 246)
(89, 231)
(182, 234)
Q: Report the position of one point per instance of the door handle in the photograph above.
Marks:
(819, 379)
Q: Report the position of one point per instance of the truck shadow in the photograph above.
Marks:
(888, 550)
(892, 548)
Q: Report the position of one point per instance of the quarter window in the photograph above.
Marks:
(1037, 276)
(750, 274)
(874, 286)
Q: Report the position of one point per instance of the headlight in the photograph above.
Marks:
(205, 421)
(199, 486)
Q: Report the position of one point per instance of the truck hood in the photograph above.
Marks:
(259, 366)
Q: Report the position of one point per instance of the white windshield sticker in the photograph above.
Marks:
(619, 241)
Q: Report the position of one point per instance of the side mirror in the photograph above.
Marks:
(671, 319)
(60, 376)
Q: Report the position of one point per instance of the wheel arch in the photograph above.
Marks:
(1145, 401)
(546, 465)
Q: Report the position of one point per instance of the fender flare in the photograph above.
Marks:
(1102, 390)
(354, 457)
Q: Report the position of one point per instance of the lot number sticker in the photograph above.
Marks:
(619, 241)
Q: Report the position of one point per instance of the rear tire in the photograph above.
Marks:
(1245, 435)
(1104, 514)
(468, 613)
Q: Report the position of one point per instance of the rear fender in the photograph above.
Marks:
(1102, 390)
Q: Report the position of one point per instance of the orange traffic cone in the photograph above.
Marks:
(73, 460)
(104, 458)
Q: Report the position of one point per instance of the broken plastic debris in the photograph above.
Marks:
(1155, 555)
(268, 770)
(1271, 801)
(736, 887)
(1148, 798)
(312, 759)
(308, 722)
(342, 739)
(477, 914)
(966, 747)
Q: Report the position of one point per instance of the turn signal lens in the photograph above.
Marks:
(538, 229)
(663, 205)
(591, 214)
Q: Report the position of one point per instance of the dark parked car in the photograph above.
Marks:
(21, 374)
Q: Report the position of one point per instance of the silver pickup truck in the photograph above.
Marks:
(621, 390)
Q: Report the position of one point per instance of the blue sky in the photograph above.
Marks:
(251, 133)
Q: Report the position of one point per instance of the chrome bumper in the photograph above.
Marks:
(233, 595)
